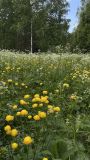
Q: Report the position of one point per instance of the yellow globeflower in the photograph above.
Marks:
(36, 118)
(43, 99)
(50, 106)
(47, 101)
(29, 117)
(9, 118)
(14, 107)
(50, 110)
(27, 96)
(45, 92)
(8, 132)
(36, 99)
(45, 158)
(56, 109)
(42, 114)
(35, 105)
(36, 96)
(18, 113)
(41, 105)
(27, 140)
(22, 102)
(14, 145)
(46, 97)
(24, 112)
(14, 132)
(7, 128)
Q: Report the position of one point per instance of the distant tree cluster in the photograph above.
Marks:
(49, 24)
(80, 38)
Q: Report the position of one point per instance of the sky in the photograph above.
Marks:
(74, 5)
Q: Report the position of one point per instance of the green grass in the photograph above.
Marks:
(63, 135)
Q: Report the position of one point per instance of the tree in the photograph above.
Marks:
(43, 21)
(81, 36)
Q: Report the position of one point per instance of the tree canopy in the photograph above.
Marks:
(81, 36)
(49, 24)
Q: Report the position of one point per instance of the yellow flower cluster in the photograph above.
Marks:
(39, 116)
(9, 131)
(27, 140)
(22, 102)
(52, 109)
(42, 99)
(33, 115)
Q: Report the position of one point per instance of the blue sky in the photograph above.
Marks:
(74, 5)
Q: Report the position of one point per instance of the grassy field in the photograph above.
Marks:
(44, 107)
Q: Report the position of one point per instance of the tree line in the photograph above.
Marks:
(80, 38)
(42, 25)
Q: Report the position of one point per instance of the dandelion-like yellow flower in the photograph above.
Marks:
(27, 96)
(29, 116)
(42, 114)
(22, 102)
(36, 96)
(36, 118)
(14, 132)
(18, 113)
(27, 140)
(47, 101)
(7, 128)
(56, 109)
(43, 99)
(14, 145)
(24, 112)
(35, 105)
(37, 99)
(9, 118)
(8, 132)
(41, 105)
(15, 107)
(50, 106)
(45, 92)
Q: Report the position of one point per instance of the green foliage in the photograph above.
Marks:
(49, 25)
(61, 136)
(81, 36)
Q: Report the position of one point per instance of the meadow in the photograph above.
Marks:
(44, 106)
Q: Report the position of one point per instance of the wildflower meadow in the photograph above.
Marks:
(44, 106)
